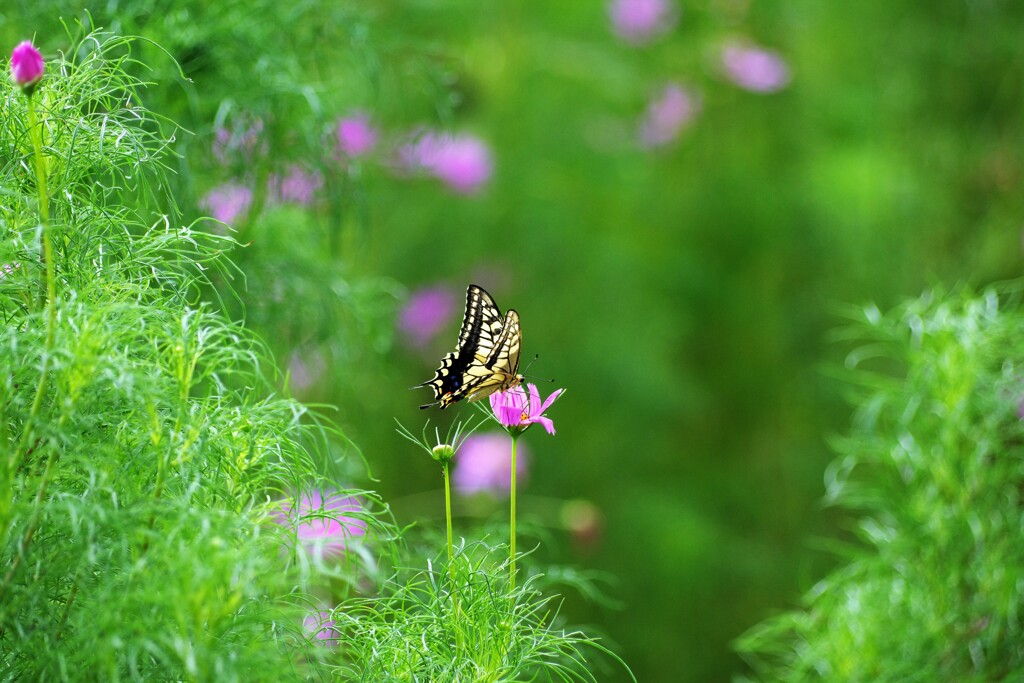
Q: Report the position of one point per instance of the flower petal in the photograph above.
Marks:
(549, 426)
(551, 399)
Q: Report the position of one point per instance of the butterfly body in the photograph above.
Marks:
(486, 359)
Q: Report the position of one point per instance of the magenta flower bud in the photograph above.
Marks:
(27, 66)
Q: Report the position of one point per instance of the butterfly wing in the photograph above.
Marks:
(482, 328)
(500, 369)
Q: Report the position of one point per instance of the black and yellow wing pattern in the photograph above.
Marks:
(487, 357)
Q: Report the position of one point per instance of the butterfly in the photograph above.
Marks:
(487, 357)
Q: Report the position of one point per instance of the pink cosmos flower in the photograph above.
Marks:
(754, 68)
(462, 162)
(319, 521)
(639, 21)
(27, 65)
(517, 411)
(319, 625)
(425, 314)
(227, 202)
(298, 186)
(483, 465)
(667, 115)
(356, 137)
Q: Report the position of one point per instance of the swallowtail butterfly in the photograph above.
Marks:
(487, 357)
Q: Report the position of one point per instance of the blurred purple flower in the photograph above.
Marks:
(305, 367)
(27, 66)
(356, 136)
(667, 115)
(754, 68)
(240, 141)
(483, 464)
(227, 201)
(8, 268)
(517, 411)
(319, 521)
(322, 627)
(425, 314)
(639, 21)
(298, 186)
(462, 162)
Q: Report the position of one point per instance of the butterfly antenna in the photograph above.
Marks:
(530, 364)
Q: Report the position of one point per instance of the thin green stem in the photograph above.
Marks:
(36, 134)
(448, 512)
(512, 520)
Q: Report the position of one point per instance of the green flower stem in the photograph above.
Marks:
(447, 468)
(36, 134)
(448, 513)
(512, 519)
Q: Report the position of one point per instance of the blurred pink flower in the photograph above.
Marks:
(319, 521)
(517, 411)
(483, 464)
(305, 367)
(462, 162)
(425, 314)
(298, 186)
(241, 141)
(356, 136)
(8, 268)
(227, 201)
(322, 627)
(667, 115)
(27, 65)
(754, 68)
(639, 21)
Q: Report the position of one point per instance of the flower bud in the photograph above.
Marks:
(27, 66)
(443, 453)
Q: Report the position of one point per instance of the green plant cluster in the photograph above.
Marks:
(154, 486)
(143, 449)
(934, 470)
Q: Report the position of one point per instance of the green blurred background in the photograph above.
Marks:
(683, 293)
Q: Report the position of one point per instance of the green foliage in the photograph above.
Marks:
(934, 468)
(143, 449)
(459, 621)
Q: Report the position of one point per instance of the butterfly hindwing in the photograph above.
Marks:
(487, 357)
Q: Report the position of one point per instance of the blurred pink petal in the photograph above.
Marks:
(754, 68)
(666, 116)
(356, 137)
(319, 521)
(462, 162)
(227, 202)
(483, 464)
(639, 21)
(298, 186)
(427, 312)
(320, 626)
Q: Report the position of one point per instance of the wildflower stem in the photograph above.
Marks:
(35, 133)
(512, 519)
(448, 511)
